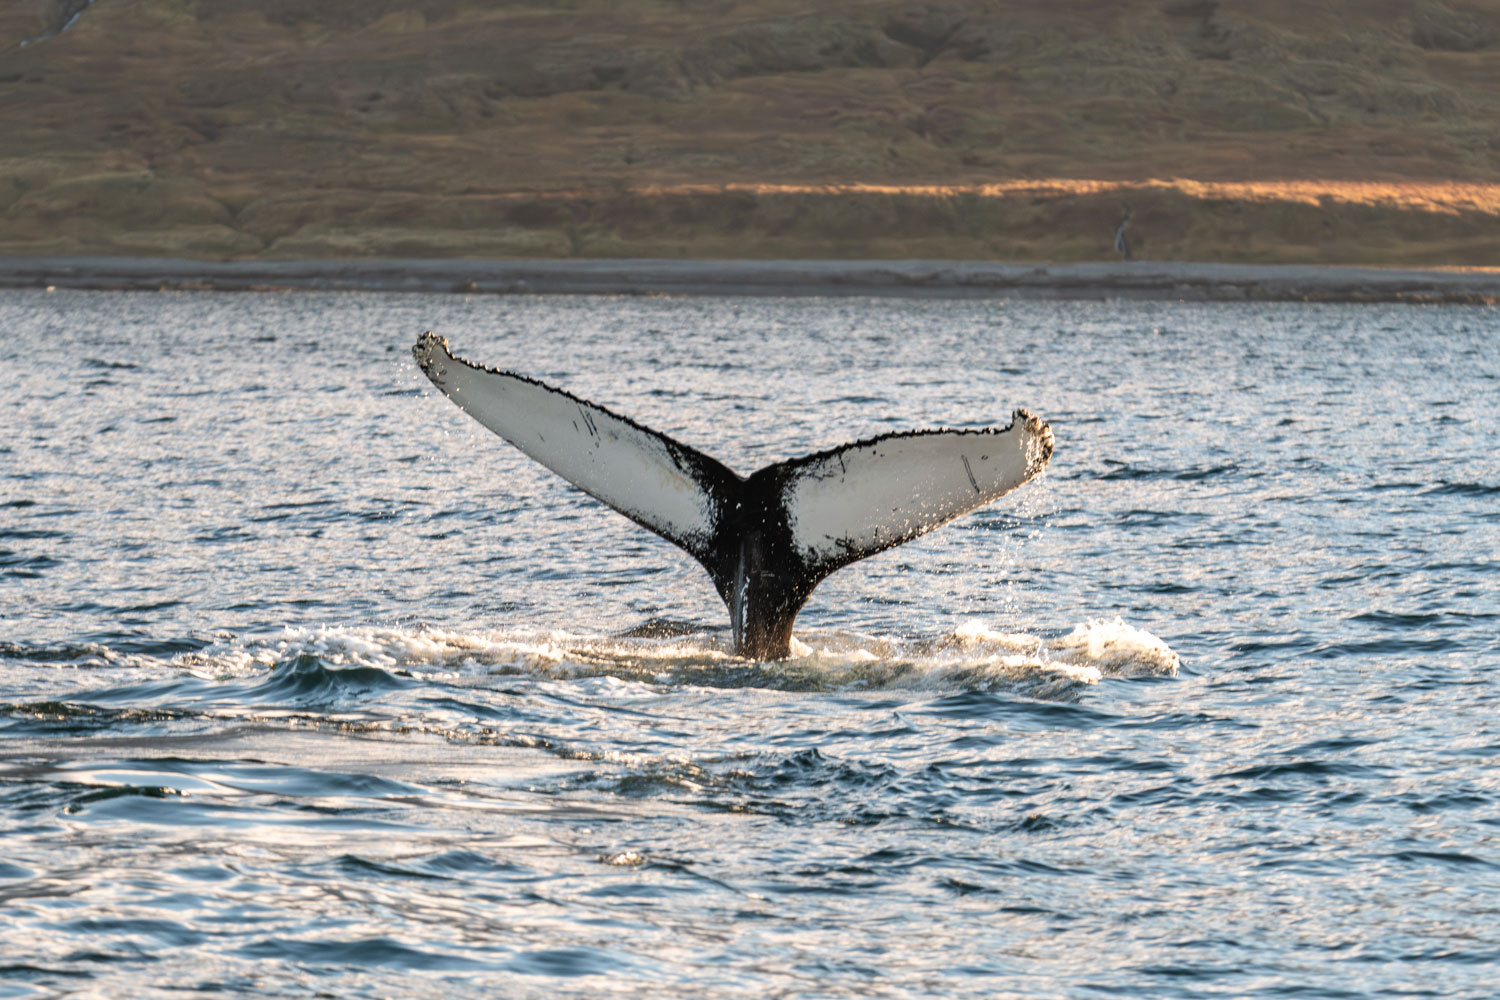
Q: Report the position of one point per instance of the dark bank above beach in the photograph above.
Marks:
(938, 279)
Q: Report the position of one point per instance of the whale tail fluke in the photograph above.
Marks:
(769, 539)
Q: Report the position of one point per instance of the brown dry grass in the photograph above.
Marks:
(1343, 131)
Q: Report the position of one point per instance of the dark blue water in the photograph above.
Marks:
(310, 686)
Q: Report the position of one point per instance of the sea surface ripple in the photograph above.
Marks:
(310, 686)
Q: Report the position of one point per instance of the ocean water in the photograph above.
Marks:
(309, 686)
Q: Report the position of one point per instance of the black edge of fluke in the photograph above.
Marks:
(764, 540)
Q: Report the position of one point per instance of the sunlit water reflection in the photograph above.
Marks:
(310, 684)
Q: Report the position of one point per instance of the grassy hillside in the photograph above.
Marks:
(1019, 130)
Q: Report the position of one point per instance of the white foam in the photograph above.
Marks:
(1118, 649)
(974, 655)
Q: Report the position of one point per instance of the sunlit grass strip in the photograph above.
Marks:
(1448, 198)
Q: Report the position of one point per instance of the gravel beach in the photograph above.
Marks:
(1160, 280)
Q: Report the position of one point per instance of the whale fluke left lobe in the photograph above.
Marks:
(657, 482)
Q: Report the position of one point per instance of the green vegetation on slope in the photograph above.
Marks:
(223, 128)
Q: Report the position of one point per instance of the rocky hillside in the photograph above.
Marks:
(1018, 129)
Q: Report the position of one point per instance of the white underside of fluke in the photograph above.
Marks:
(623, 465)
(869, 496)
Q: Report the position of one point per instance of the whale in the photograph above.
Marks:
(768, 539)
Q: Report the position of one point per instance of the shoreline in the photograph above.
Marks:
(1139, 280)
